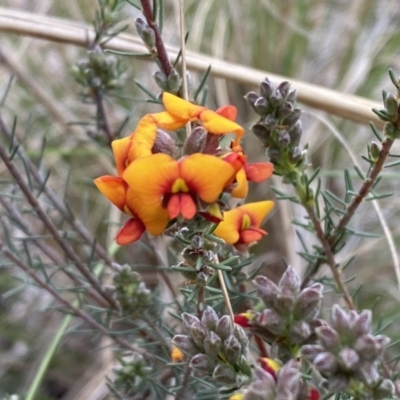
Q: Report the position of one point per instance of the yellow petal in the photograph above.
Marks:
(149, 179)
(143, 138)
(114, 188)
(218, 125)
(229, 228)
(257, 211)
(168, 121)
(121, 149)
(242, 187)
(206, 175)
(181, 108)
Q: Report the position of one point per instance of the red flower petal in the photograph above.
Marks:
(258, 172)
(130, 232)
(251, 235)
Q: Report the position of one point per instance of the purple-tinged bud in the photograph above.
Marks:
(146, 33)
(296, 155)
(274, 154)
(224, 374)
(189, 320)
(198, 332)
(259, 391)
(209, 318)
(292, 118)
(174, 81)
(212, 344)
(310, 351)
(348, 359)
(290, 283)
(328, 338)
(382, 340)
(266, 88)
(251, 98)
(185, 344)
(161, 80)
(164, 144)
(241, 336)
(267, 290)
(367, 347)
(384, 390)
(288, 380)
(262, 133)
(326, 363)
(340, 319)
(367, 374)
(212, 143)
(272, 321)
(270, 122)
(203, 363)
(308, 302)
(232, 349)
(338, 383)
(295, 132)
(196, 141)
(224, 327)
(292, 96)
(283, 138)
(284, 110)
(276, 99)
(261, 105)
(284, 88)
(299, 332)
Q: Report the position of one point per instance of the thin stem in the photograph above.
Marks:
(162, 54)
(200, 301)
(224, 289)
(102, 116)
(48, 223)
(185, 382)
(57, 203)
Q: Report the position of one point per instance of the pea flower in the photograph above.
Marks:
(242, 224)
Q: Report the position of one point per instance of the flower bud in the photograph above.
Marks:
(310, 351)
(288, 381)
(389, 129)
(266, 88)
(367, 374)
(269, 365)
(284, 110)
(209, 318)
(274, 154)
(276, 99)
(328, 338)
(241, 336)
(267, 290)
(283, 138)
(251, 98)
(384, 390)
(292, 118)
(308, 302)
(272, 321)
(296, 155)
(284, 88)
(174, 81)
(299, 332)
(261, 105)
(289, 284)
(196, 141)
(382, 340)
(224, 327)
(262, 133)
(198, 332)
(373, 151)
(348, 359)
(338, 383)
(164, 144)
(391, 104)
(270, 122)
(232, 349)
(295, 132)
(292, 96)
(340, 319)
(326, 363)
(212, 344)
(364, 323)
(146, 33)
(161, 80)
(185, 344)
(225, 374)
(189, 320)
(244, 319)
(202, 363)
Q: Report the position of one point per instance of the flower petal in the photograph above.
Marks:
(206, 175)
(228, 111)
(168, 121)
(121, 149)
(218, 124)
(181, 108)
(258, 172)
(241, 189)
(114, 188)
(149, 179)
(132, 230)
(143, 138)
(251, 235)
(229, 228)
(181, 204)
(257, 211)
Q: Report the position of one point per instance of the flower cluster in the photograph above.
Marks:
(215, 347)
(347, 354)
(290, 314)
(157, 187)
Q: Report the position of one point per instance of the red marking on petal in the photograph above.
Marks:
(130, 232)
(258, 172)
(251, 235)
(174, 206)
(228, 111)
(242, 321)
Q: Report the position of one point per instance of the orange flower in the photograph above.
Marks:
(176, 355)
(179, 112)
(115, 189)
(161, 186)
(242, 224)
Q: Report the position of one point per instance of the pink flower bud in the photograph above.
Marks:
(348, 359)
(328, 337)
(272, 321)
(326, 363)
(209, 318)
(212, 344)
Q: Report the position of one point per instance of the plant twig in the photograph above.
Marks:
(162, 54)
(102, 116)
(224, 289)
(185, 381)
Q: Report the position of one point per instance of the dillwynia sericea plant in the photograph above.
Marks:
(182, 179)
